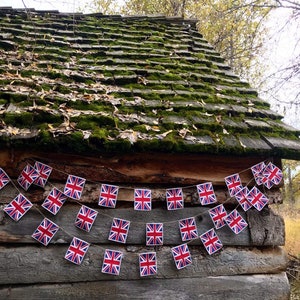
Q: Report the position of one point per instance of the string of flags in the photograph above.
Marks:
(264, 174)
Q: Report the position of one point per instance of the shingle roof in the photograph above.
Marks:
(94, 83)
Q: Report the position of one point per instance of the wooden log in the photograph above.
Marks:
(38, 264)
(21, 231)
(161, 168)
(264, 228)
(250, 287)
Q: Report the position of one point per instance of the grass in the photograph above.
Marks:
(291, 215)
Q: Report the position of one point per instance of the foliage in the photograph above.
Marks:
(291, 170)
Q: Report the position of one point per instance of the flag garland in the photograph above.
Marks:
(74, 187)
(174, 199)
(108, 195)
(54, 201)
(45, 231)
(268, 175)
(182, 256)
(18, 207)
(44, 172)
(211, 241)
(76, 251)
(188, 229)
(148, 264)
(4, 179)
(154, 234)
(86, 218)
(112, 262)
(142, 199)
(27, 177)
(119, 230)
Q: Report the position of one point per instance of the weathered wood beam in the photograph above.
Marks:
(34, 264)
(161, 168)
(250, 287)
(21, 231)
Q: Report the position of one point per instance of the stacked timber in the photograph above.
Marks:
(250, 265)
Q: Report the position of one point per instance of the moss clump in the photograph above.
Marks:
(23, 120)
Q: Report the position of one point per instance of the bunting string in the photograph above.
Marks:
(265, 174)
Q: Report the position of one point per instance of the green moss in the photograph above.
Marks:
(23, 120)
(93, 121)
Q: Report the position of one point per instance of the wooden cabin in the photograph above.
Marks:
(133, 105)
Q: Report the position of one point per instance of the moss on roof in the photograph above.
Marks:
(94, 83)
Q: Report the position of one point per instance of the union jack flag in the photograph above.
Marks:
(236, 222)
(27, 177)
(112, 262)
(119, 230)
(54, 201)
(77, 250)
(17, 208)
(218, 215)
(257, 198)
(233, 183)
(108, 195)
(182, 256)
(257, 171)
(74, 187)
(142, 199)
(4, 179)
(211, 241)
(206, 193)
(154, 234)
(45, 231)
(174, 199)
(148, 264)
(188, 229)
(44, 172)
(272, 175)
(241, 197)
(86, 218)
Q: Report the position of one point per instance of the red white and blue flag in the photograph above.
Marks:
(211, 241)
(174, 199)
(45, 231)
(108, 195)
(77, 250)
(44, 172)
(119, 230)
(206, 193)
(74, 187)
(154, 234)
(142, 199)
(271, 175)
(241, 197)
(112, 262)
(182, 256)
(148, 264)
(17, 208)
(86, 218)
(218, 215)
(27, 177)
(4, 179)
(257, 171)
(257, 198)
(236, 222)
(54, 201)
(188, 229)
(233, 183)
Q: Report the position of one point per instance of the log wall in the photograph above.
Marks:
(251, 265)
